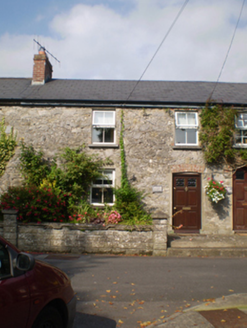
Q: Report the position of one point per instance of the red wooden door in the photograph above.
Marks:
(187, 202)
(240, 199)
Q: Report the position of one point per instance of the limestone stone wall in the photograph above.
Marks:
(86, 238)
(151, 156)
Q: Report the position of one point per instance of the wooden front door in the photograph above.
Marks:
(187, 202)
(240, 199)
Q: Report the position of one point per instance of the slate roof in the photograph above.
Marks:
(59, 91)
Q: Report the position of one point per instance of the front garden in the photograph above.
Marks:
(58, 190)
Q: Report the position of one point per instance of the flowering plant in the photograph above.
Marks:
(114, 217)
(215, 190)
(35, 204)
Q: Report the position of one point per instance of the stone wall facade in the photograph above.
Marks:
(86, 238)
(151, 156)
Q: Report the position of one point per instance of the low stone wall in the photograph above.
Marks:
(86, 238)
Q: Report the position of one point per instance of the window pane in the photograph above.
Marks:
(109, 118)
(97, 135)
(109, 135)
(192, 119)
(180, 136)
(239, 121)
(238, 137)
(108, 195)
(244, 133)
(191, 136)
(192, 182)
(180, 182)
(109, 177)
(242, 120)
(240, 175)
(98, 117)
(98, 181)
(97, 195)
(181, 118)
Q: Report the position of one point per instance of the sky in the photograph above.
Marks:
(116, 39)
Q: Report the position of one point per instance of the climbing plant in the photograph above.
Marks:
(217, 135)
(7, 146)
(128, 200)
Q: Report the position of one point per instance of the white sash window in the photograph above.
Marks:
(103, 130)
(186, 128)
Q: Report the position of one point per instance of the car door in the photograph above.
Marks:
(14, 293)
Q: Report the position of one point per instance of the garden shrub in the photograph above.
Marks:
(36, 204)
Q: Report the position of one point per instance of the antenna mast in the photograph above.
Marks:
(41, 47)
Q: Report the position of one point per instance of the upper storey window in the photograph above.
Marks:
(241, 132)
(186, 125)
(103, 127)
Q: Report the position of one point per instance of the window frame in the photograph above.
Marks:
(103, 126)
(186, 127)
(102, 186)
(240, 129)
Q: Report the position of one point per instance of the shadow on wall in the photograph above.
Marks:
(222, 208)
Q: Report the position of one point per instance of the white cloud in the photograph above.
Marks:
(98, 42)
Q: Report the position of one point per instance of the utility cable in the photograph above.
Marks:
(233, 36)
(168, 32)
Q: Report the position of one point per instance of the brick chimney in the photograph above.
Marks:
(42, 68)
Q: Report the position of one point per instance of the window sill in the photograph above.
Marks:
(244, 146)
(98, 205)
(186, 147)
(103, 146)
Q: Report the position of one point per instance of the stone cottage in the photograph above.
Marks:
(163, 153)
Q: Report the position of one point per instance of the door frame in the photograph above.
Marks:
(188, 174)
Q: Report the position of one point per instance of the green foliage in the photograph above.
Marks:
(128, 200)
(75, 175)
(217, 136)
(33, 167)
(7, 146)
(36, 204)
(128, 203)
(217, 132)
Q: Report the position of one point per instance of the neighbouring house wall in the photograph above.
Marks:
(86, 238)
(150, 154)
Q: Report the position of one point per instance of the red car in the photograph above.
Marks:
(33, 294)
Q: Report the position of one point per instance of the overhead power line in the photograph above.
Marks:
(168, 32)
(229, 48)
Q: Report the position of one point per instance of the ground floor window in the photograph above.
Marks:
(101, 190)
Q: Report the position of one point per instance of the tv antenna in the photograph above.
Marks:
(43, 48)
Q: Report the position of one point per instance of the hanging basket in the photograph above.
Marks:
(215, 190)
